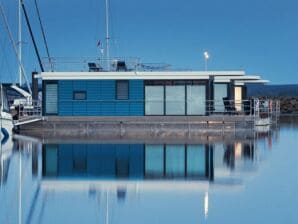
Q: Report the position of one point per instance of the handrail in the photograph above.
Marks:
(28, 111)
(102, 64)
(252, 107)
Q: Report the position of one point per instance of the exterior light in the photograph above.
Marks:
(206, 56)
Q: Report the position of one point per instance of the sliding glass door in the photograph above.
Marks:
(196, 99)
(185, 97)
(175, 100)
(220, 92)
(154, 100)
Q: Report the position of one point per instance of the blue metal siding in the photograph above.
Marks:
(101, 98)
(107, 90)
(79, 108)
(65, 91)
(93, 89)
(136, 89)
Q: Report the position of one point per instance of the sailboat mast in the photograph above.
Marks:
(20, 42)
(14, 46)
(107, 35)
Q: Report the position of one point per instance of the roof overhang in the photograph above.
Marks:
(243, 82)
(169, 75)
(237, 77)
(240, 80)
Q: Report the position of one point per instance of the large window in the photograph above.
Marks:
(220, 91)
(51, 98)
(175, 97)
(175, 100)
(154, 160)
(122, 88)
(196, 98)
(154, 97)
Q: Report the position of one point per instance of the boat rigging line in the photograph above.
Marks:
(32, 36)
(43, 35)
(20, 40)
(14, 46)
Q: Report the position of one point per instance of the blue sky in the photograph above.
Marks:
(259, 36)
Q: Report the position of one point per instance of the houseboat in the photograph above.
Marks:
(133, 93)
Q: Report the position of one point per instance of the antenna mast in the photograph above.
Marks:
(20, 43)
(107, 36)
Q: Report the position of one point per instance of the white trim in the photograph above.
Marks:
(193, 75)
(257, 81)
(240, 80)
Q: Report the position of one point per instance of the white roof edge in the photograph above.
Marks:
(257, 81)
(131, 77)
(247, 77)
(242, 82)
(211, 73)
(137, 75)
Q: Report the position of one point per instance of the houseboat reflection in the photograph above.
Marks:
(128, 161)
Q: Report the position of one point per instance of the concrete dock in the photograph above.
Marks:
(139, 127)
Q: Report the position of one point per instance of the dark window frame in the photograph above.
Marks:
(79, 92)
(116, 88)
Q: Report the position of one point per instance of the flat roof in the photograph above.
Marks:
(219, 76)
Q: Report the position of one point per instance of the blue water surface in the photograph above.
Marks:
(251, 180)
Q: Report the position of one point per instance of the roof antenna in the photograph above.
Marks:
(107, 36)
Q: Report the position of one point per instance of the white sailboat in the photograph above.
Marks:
(6, 122)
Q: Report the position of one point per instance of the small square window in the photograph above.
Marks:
(122, 90)
(79, 95)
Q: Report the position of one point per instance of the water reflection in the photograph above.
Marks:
(128, 161)
(6, 150)
(108, 182)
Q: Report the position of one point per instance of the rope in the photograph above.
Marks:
(43, 34)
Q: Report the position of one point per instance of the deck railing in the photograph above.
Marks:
(26, 113)
(253, 107)
(100, 64)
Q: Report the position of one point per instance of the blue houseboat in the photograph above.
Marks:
(143, 93)
(136, 99)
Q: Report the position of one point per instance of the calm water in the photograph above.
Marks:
(242, 181)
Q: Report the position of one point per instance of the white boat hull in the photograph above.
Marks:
(6, 125)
